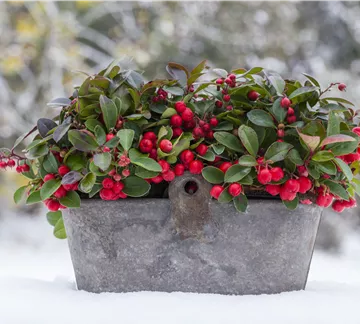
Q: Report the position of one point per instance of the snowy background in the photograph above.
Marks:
(43, 45)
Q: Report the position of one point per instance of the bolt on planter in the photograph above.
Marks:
(191, 243)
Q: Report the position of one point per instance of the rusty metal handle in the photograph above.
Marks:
(191, 211)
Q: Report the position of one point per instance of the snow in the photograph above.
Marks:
(37, 286)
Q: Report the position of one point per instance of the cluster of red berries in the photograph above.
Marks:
(53, 203)
(266, 174)
(161, 96)
(112, 190)
(290, 188)
(234, 189)
(325, 199)
(285, 103)
(10, 163)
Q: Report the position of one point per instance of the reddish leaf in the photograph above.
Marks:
(337, 139)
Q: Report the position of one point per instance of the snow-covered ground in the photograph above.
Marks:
(37, 286)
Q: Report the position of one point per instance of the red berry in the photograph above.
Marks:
(122, 195)
(351, 203)
(201, 149)
(165, 166)
(117, 177)
(150, 136)
(287, 195)
(119, 123)
(53, 205)
(63, 169)
(232, 77)
(11, 163)
(229, 107)
(342, 86)
(118, 186)
(169, 175)
(25, 168)
(280, 133)
(179, 169)
(253, 95)
(260, 160)
(109, 137)
(195, 167)
(302, 171)
(106, 149)
(60, 193)
(198, 133)
(216, 191)
(187, 114)
(338, 206)
(219, 81)
(214, 122)
(153, 154)
(227, 98)
(71, 187)
(235, 189)
(48, 177)
(107, 183)
(180, 107)
(106, 194)
(355, 130)
(176, 121)
(187, 156)
(177, 131)
(157, 179)
(190, 124)
(165, 146)
(209, 135)
(292, 185)
(291, 119)
(225, 166)
(228, 81)
(125, 172)
(145, 145)
(285, 102)
(324, 200)
(206, 127)
(3, 165)
(276, 174)
(264, 176)
(305, 184)
(290, 111)
(218, 104)
(273, 189)
(306, 202)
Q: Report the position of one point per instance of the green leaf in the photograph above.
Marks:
(313, 80)
(199, 68)
(102, 160)
(327, 167)
(168, 113)
(248, 180)
(59, 102)
(322, 156)
(247, 160)
(277, 151)
(260, 118)
(341, 100)
(126, 138)
(82, 141)
(76, 162)
(176, 91)
(62, 129)
(225, 197)
(278, 83)
(92, 123)
(145, 174)
(218, 148)
(208, 156)
(278, 111)
(236, 173)
(135, 96)
(87, 183)
(50, 163)
(291, 204)
(49, 187)
(213, 175)
(113, 142)
(333, 126)
(135, 186)
(336, 189)
(53, 217)
(339, 138)
(37, 151)
(241, 203)
(313, 170)
(19, 194)
(71, 177)
(100, 135)
(228, 140)
(45, 125)
(249, 139)
(33, 198)
(71, 200)
(59, 229)
(312, 142)
(301, 94)
(147, 164)
(344, 168)
(295, 157)
(109, 111)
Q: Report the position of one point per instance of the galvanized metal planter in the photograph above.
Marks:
(191, 243)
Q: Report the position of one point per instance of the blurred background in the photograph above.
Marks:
(44, 45)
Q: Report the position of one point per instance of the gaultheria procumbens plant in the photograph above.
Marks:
(119, 136)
